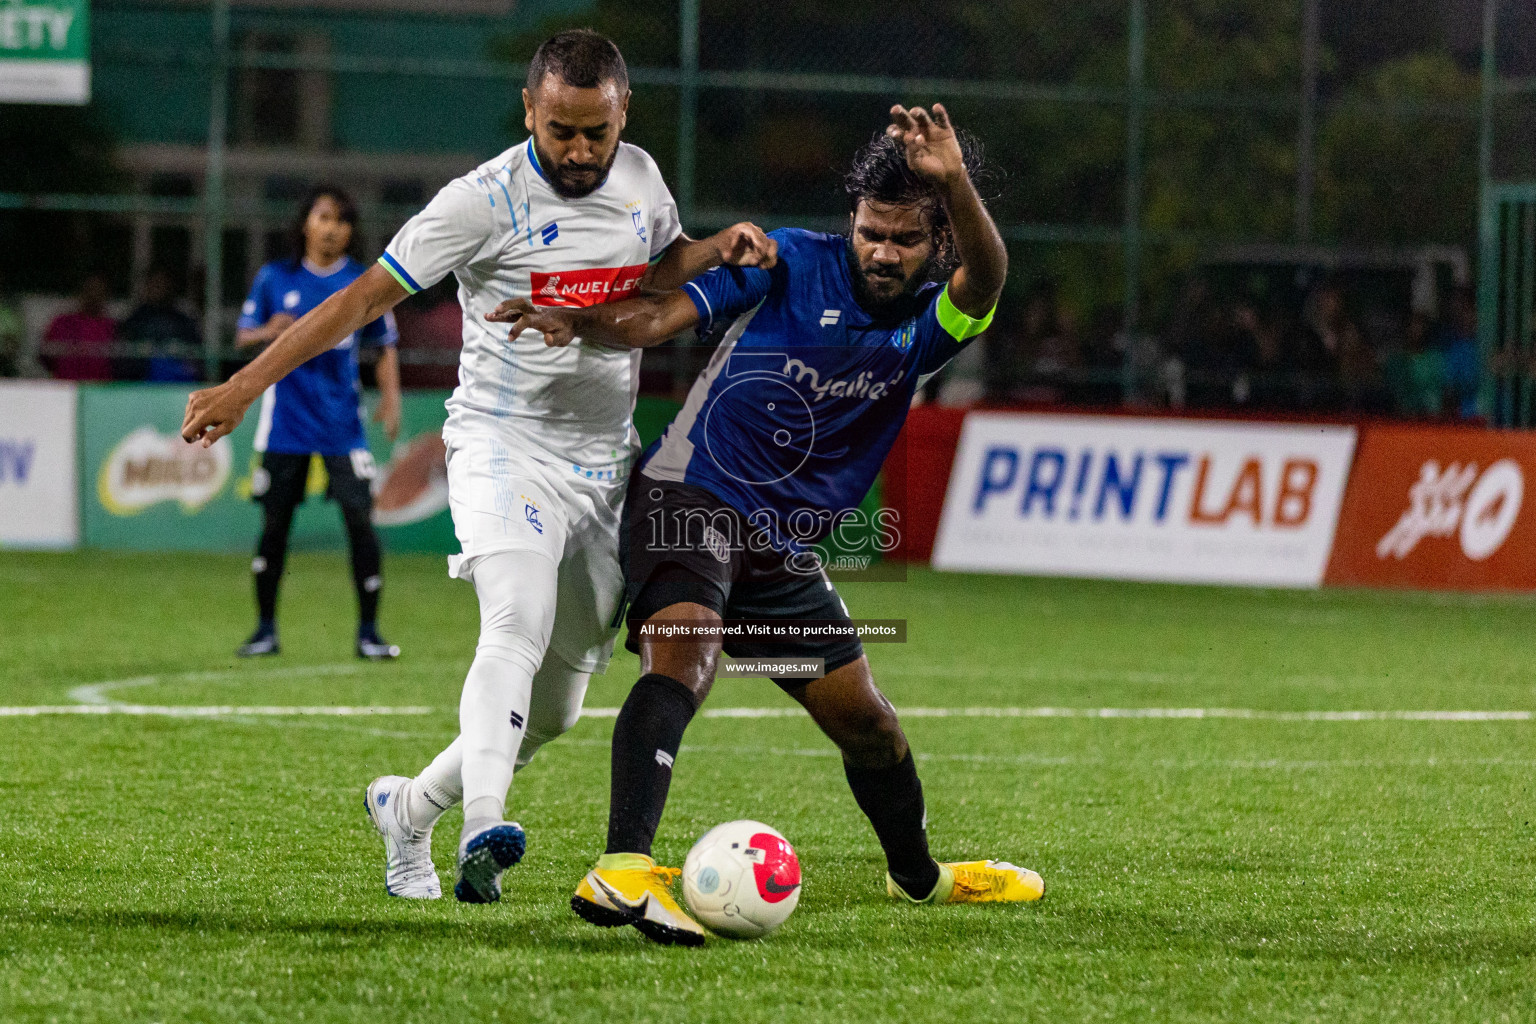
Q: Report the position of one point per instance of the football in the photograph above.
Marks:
(742, 879)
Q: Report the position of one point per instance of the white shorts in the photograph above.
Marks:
(504, 500)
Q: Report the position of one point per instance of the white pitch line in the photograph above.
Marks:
(96, 693)
(216, 711)
(1253, 714)
(1248, 714)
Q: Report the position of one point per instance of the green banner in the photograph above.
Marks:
(143, 489)
(45, 51)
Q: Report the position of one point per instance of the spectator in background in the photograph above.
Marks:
(1416, 373)
(1104, 346)
(1220, 355)
(157, 321)
(1050, 347)
(12, 334)
(1360, 373)
(1273, 370)
(1463, 355)
(81, 341)
(1328, 332)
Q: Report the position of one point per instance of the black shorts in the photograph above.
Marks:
(681, 543)
(279, 481)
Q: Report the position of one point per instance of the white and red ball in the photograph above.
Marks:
(742, 879)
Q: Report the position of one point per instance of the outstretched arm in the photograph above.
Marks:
(741, 245)
(214, 412)
(934, 155)
(633, 323)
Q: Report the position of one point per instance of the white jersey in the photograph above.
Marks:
(505, 233)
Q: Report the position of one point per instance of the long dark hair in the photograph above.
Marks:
(880, 173)
(348, 214)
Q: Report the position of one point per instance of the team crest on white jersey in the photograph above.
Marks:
(637, 214)
(531, 513)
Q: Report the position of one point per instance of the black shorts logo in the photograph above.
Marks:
(717, 545)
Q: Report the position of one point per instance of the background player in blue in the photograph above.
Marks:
(780, 439)
(315, 411)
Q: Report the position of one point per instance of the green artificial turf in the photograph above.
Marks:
(169, 869)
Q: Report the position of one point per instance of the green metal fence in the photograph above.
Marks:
(692, 84)
(1507, 302)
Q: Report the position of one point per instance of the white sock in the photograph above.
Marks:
(555, 706)
(439, 786)
(517, 613)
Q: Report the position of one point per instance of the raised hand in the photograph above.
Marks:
(933, 152)
(557, 325)
(746, 245)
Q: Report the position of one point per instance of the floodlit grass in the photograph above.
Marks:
(159, 869)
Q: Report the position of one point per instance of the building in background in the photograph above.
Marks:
(390, 140)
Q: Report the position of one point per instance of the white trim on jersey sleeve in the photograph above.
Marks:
(709, 320)
(445, 236)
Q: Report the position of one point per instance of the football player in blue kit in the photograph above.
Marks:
(315, 411)
(785, 429)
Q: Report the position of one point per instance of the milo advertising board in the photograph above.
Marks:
(144, 489)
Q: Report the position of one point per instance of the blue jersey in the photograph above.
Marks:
(314, 408)
(799, 406)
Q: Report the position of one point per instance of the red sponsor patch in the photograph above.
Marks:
(586, 287)
(779, 873)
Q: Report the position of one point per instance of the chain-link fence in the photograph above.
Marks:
(1209, 203)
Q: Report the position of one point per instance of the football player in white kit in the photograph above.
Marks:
(539, 439)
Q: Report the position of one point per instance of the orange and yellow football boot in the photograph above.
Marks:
(977, 881)
(630, 888)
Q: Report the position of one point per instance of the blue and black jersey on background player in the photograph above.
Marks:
(802, 401)
(314, 408)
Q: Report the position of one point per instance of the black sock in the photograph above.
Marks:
(646, 736)
(366, 565)
(892, 799)
(267, 566)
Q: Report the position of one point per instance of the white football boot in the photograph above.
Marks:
(408, 870)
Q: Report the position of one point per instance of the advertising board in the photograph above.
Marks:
(1144, 499)
(37, 465)
(45, 51)
(1439, 508)
(144, 489)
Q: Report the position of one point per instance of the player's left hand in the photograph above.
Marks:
(746, 245)
(933, 152)
(387, 415)
(557, 326)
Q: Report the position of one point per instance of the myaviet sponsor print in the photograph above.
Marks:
(1148, 499)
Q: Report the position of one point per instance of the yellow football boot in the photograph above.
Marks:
(978, 881)
(630, 888)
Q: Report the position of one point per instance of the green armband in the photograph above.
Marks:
(957, 324)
